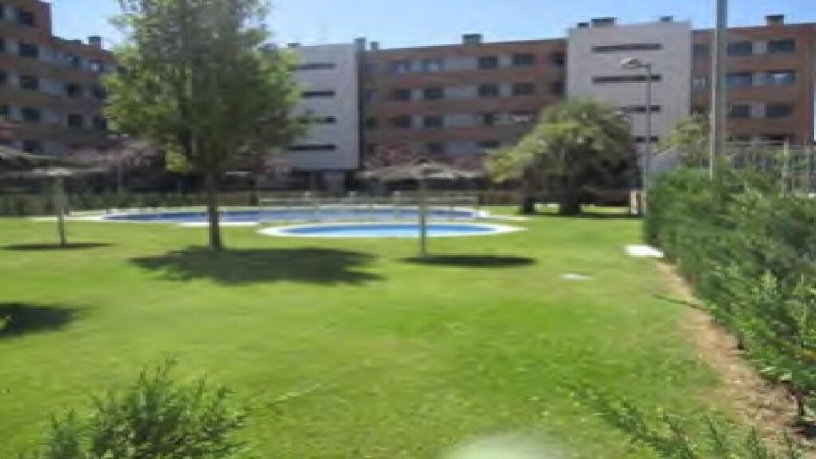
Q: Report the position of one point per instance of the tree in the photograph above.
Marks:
(197, 77)
(576, 144)
(690, 138)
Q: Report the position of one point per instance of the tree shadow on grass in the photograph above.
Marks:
(471, 261)
(18, 319)
(54, 247)
(247, 266)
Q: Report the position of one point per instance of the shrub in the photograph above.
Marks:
(155, 418)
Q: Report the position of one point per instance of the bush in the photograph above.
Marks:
(750, 253)
(155, 418)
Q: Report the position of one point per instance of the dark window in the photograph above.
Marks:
(523, 89)
(780, 78)
(401, 122)
(701, 50)
(76, 121)
(699, 110)
(98, 92)
(740, 138)
(627, 47)
(488, 62)
(324, 120)
(318, 94)
(400, 95)
(778, 110)
(317, 66)
(32, 146)
(2, 45)
(642, 139)
(29, 82)
(73, 61)
(776, 139)
(99, 123)
(313, 147)
(371, 123)
(557, 88)
(29, 50)
(3, 78)
(399, 66)
(699, 84)
(558, 59)
(30, 115)
(433, 122)
(489, 90)
(73, 90)
(784, 46)
(489, 144)
(97, 66)
(435, 148)
(739, 111)
(740, 49)
(523, 60)
(489, 119)
(433, 93)
(740, 80)
(26, 18)
(641, 109)
(433, 65)
(624, 79)
(4, 112)
(369, 96)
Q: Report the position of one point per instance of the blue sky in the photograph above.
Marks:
(398, 23)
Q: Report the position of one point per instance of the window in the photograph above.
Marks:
(401, 122)
(489, 144)
(324, 120)
(433, 122)
(641, 109)
(699, 84)
(2, 45)
(523, 60)
(740, 49)
(75, 121)
(96, 66)
(783, 46)
(3, 78)
(433, 65)
(489, 119)
(557, 88)
(99, 123)
(776, 139)
(30, 83)
(313, 147)
(372, 123)
(778, 110)
(435, 148)
(400, 95)
(642, 139)
(624, 79)
(73, 61)
(488, 62)
(399, 66)
(30, 115)
(369, 96)
(740, 80)
(318, 94)
(780, 78)
(433, 93)
(739, 111)
(701, 50)
(627, 47)
(28, 50)
(73, 90)
(558, 59)
(32, 146)
(4, 112)
(317, 66)
(98, 92)
(26, 18)
(523, 89)
(489, 90)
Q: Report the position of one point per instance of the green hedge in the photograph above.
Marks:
(750, 253)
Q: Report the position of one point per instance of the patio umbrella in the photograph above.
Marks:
(421, 171)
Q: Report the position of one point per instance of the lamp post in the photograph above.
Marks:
(634, 63)
(719, 88)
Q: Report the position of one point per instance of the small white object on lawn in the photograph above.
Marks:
(643, 251)
(575, 277)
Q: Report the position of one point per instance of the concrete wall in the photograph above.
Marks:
(344, 133)
(672, 62)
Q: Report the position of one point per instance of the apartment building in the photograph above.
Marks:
(330, 151)
(456, 102)
(50, 92)
(770, 80)
(661, 51)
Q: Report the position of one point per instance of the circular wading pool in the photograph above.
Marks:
(388, 230)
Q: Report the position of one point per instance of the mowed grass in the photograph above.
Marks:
(348, 348)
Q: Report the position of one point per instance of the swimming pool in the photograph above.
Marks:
(388, 230)
(299, 214)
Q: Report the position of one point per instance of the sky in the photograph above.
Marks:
(403, 23)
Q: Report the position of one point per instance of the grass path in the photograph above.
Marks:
(347, 349)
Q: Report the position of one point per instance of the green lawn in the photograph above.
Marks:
(347, 349)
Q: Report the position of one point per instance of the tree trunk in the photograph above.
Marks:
(570, 199)
(528, 200)
(212, 211)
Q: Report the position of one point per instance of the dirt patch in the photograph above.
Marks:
(756, 402)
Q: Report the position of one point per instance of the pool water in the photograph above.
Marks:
(330, 214)
(387, 230)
